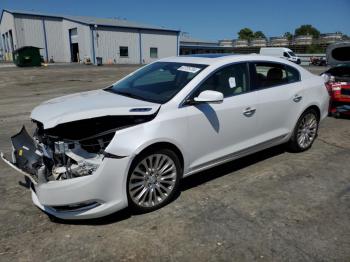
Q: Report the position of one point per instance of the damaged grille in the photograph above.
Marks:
(93, 135)
(68, 150)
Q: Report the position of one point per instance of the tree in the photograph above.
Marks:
(289, 35)
(315, 49)
(259, 34)
(246, 33)
(307, 30)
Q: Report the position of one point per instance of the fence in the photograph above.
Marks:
(305, 58)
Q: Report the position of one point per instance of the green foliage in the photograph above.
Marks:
(289, 35)
(246, 33)
(314, 49)
(259, 34)
(307, 30)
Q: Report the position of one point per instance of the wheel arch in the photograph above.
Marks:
(314, 107)
(163, 145)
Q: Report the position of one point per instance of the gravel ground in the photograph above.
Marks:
(271, 206)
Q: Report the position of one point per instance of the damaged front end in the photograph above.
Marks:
(68, 150)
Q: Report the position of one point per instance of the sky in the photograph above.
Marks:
(210, 20)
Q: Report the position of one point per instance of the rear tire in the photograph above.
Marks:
(153, 180)
(305, 132)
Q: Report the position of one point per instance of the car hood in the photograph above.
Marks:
(338, 53)
(86, 105)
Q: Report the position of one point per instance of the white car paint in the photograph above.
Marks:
(86, 105)
(207, 134)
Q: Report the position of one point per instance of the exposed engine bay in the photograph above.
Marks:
(69, 150)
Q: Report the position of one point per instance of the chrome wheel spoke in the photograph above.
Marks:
(167, 190)
(138, 184)
(167, 168)
(142, 200)
(142, 193)
(168, 176)
(152, 180)
(161, 194)
(150, 196)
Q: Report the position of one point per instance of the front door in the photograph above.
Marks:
(217, 131)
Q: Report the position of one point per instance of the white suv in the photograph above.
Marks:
(131, 143)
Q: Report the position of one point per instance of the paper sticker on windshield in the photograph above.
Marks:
(189, 69)
(232, 82)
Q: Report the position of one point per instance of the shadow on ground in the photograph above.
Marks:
(186, 183)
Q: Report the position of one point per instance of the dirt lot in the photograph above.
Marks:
(272, 206)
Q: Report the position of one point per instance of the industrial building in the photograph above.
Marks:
(190, 45)
(64, 38)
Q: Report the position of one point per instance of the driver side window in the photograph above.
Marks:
(230, 81)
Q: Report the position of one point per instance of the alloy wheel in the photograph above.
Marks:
(152, 180)
(307, 130)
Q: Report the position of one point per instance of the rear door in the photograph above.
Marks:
(280, 95)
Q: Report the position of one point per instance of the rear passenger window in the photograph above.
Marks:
(292, 74)
(231, 80)
(269, 74)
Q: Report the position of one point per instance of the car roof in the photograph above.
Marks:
(212, 59)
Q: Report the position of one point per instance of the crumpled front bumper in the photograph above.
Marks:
(96, 195)
(105, 190)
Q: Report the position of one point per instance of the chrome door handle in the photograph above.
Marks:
(297, 98)
(248, 112)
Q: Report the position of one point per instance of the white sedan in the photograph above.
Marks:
(130, 144)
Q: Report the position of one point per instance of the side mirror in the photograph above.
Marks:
(209, 96)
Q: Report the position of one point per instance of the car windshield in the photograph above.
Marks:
(157, 82)
(291, 53)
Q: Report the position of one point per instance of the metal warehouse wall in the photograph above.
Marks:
(83, 39)
(8, 23)
(56, 47)
(30, 32)
(166, 42)
(110, 39)
(103, 41)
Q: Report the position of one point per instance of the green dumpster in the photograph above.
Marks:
(27, 56)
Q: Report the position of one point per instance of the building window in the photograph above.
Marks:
(123, 51)
(73, 31)
(153, 52)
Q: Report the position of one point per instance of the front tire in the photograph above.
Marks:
(153, 180)
(305, 132)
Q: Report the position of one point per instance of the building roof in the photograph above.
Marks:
(195, 41)
(87, 20)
